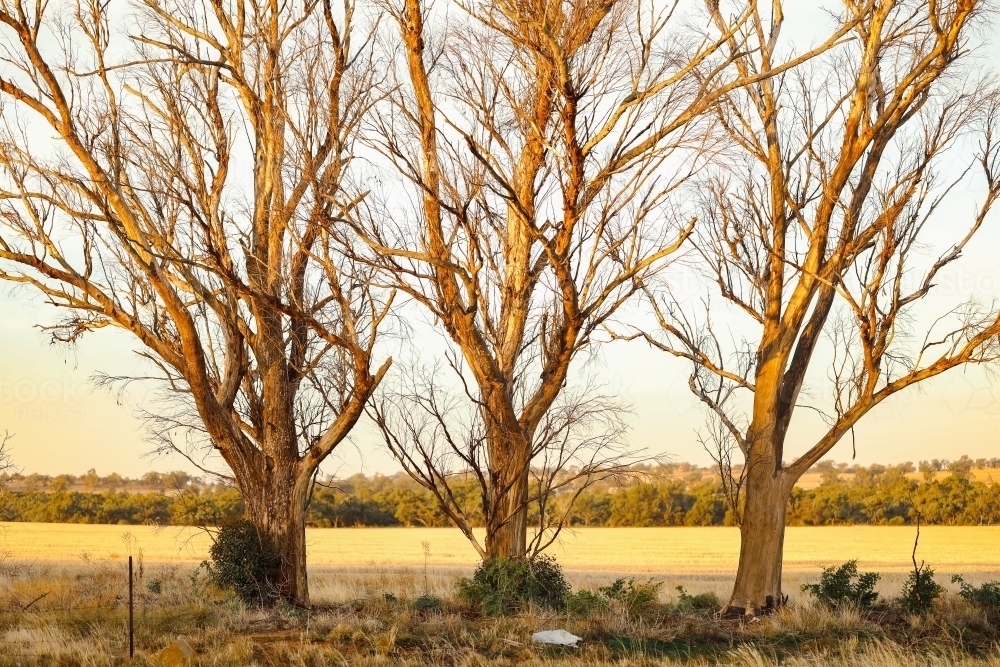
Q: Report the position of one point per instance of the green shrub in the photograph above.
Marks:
(920, 591)
(701, 603)
(428, 603)
(986, 596)
(842, 586)
(243, 562)
(502, 586)
(635, 598)
(584, 602)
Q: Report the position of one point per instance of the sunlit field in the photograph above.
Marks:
(63, 600)
(653, 550)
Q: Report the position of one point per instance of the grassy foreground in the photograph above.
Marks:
(63, 601)
(76, 615)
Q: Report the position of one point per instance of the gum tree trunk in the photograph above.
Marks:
(506, 513)
(275, 503)
(509, 539)
(762, 536)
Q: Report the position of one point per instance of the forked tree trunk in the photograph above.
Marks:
(762, 535)
(276, 504)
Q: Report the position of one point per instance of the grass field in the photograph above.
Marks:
(653, 550)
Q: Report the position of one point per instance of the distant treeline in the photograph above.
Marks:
(670, 496)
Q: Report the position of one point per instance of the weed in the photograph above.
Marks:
(842, 586)
(634, 598)
(986, 596)
(920, 591)
(584, 603)
(700, 603)
(428, 603)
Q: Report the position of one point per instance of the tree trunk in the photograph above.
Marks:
(762, 535)
(509, 447)
(509, 539)
(276, 505)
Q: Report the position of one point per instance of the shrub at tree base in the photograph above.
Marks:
(502, 586)
(842, 586)
(986, 596)
(244, 563)
(920, 591)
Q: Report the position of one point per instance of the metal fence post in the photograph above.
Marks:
(131, 641)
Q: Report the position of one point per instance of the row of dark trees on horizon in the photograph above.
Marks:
(272, 197)
(177, 481)
(876, 495)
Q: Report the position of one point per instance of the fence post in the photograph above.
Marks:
(131, 642)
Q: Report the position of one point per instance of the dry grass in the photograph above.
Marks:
(655, 550)
(63, 602)
(81, 621)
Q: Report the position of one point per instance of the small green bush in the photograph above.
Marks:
(502, 586)
(919, 592)
(842, 586)
(428, 603)
(700, 603)
(986, 596)
(244, 563)
(635, 598)
(584, 602)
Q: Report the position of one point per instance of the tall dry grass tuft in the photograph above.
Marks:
(809, 618)
(887, 654)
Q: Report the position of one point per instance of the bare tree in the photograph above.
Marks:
(541, 144)
(195, 170)
(816, 236)
(439, 435)
(6, 463)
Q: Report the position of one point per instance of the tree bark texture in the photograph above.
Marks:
(507, 531)
(275, 503)
(762, 535)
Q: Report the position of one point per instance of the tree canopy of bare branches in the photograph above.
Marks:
(815, 236)
(177, 174)
(540, 146)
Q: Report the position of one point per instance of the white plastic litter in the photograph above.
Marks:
(560, 637)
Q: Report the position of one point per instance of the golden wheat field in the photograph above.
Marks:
(654, 550)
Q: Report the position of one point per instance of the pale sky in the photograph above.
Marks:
(61, 425)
